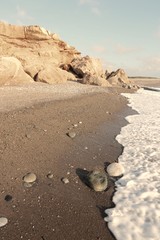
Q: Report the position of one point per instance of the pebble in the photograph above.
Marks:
(115, 169)
(50, 175)
(80, 122)
(75, 125)
(29, 178)
(28, 136)
(27, 185)
(98, 180)
(71, 134)
(3, 221)
(65, 180)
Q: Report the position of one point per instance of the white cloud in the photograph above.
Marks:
(96, 11)
(152, 64)
(149, 67)
(93, 5)
(108, 65)
(121, 49)
(99, 49)
(21, 12)
(158, 33)
(91, 2)
(22, 15)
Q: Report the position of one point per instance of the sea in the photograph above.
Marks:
(136, 215)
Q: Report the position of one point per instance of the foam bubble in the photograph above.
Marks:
(137, 199)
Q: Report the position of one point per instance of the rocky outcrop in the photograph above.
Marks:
(53, 75)
(12, 73)
(118, 78)
(39, 52)
(94, 80)
(87, 65)
(46, 58)
(34, 45)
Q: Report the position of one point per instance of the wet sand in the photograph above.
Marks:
(147, 82)
(34, 140)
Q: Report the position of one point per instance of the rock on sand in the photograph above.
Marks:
(98, 180)
(115, 169)
(3, 221)
(29, 178)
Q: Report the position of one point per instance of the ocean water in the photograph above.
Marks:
(136, 215)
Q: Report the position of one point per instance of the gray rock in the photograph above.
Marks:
(29, 178)
(3, 221)
(98, 180)
(115, 169)
(71, 134)
(65, 180)
(50, 175)
(28, 136)
(27, 185)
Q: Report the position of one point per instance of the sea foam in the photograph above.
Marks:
(136, 215)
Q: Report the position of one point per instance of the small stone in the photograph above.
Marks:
(86, 148)
(29, 178)
(50, 175)
(3, 221)
(75, 125)
(27, 185)
(98, 180)
(115, 169)
(71, 134)
(80, 122)
(8, 198)
(65, 180)
(28, 136)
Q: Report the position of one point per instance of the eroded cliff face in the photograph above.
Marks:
(33, 44)
(44, 57)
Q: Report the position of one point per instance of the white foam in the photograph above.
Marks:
(136, 215)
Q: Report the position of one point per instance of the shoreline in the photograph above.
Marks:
(34, 140)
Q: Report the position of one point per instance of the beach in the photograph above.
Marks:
(34, 139)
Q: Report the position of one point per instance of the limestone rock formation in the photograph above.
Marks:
(94, 80)
(87, 65)
(53, 75)
(118, 78)
(46, 58)
(12, 73)
(33, 45)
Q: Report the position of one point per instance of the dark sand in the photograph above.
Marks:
(34, 140)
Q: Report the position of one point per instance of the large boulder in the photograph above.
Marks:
(52, 75)
(87, 65)
(118, 78)
(12, 73)
(94, 80)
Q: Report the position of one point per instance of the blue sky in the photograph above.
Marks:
(123, 34)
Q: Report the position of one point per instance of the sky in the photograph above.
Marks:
(123, 34)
